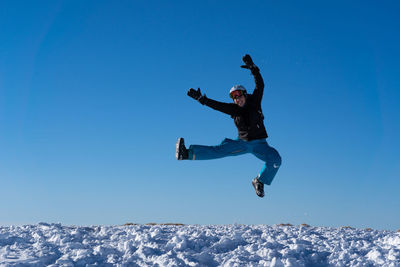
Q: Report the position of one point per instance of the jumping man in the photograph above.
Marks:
(249, 120)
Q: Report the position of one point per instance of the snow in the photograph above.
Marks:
(196, 245)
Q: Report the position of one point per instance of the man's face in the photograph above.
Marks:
(240, 100)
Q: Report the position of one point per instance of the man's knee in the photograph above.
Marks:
(278, 160)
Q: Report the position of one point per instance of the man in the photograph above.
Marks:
(249, 120)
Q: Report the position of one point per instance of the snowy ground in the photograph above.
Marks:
(194, 245)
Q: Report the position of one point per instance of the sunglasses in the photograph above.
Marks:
(236, 94)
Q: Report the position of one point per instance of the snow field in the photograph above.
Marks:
(196, 245)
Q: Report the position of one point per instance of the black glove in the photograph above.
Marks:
(248, 63)
(196, 94)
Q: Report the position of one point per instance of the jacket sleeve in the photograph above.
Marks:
(227, 108)
(259, 90)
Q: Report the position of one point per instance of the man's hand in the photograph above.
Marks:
(248, 63)
(196, 94)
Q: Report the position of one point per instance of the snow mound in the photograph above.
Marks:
(195, 245)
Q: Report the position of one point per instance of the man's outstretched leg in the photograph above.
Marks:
(228, 147)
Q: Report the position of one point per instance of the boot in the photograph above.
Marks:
(258, 186)
(181, 151)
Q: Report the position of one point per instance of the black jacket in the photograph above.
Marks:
(248, 119)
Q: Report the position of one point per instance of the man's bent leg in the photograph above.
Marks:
(227, 148)
(272, 161)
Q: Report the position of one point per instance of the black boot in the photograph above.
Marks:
(181, 151)
(258, 186)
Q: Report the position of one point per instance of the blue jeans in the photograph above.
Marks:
(229, 147)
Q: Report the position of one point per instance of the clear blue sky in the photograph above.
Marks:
(93, 98)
